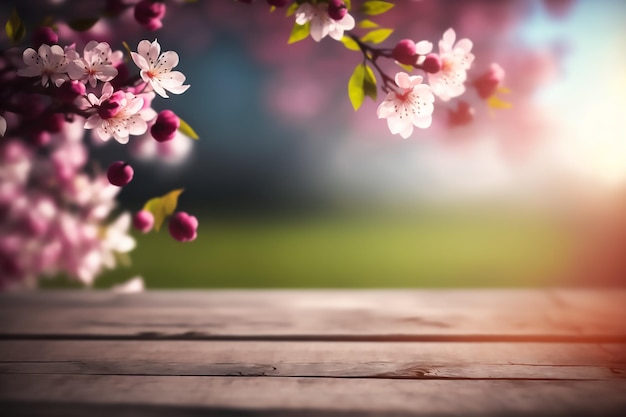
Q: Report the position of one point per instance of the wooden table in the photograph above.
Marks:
(314, 353)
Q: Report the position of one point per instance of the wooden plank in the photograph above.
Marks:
(583, 315)
(317, 359)
(323, 395)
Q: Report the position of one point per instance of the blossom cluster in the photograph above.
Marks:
(55, 217)
(409, 101)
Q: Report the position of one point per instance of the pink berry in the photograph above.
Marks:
(432, 64)
(69, 90)
(111, 106)
(120, 173)
(404, 52)
(143, 221)
(183, 227)
(44, 35)
(148, 11)
(165, 127)
(337, 9)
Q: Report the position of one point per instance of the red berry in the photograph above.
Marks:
(183, 227)
(165, 127)
(143, 221)
(337, 9)
(120, 173)
(432, 64)
(404, 52)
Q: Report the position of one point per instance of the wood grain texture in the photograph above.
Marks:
(317, 359)
(353, 396)
(517, 315)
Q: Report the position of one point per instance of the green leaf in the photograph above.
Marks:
(362, 83)
(367, 24)
(292, 9)
(356, 92)
(83, 24)
(299, 32)
(185, 129)
(350, 43)
(374, 8)
(161, 207)
(369, 84)
(377, 36)
(348, 4)
(15, 28)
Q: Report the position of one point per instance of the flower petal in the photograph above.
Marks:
(140, 61)
(423, 47)
(403, 80)
(167, 61)
(347, 23)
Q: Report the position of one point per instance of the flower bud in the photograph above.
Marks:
(183, 227)
(165, 127)
(337, 9)
(432, 64)
(149, 13)
(143, 221)
(69, 90)
(464, 114)
(487, 84)
(120, 173)
(44, 35)
(111, 106)
(404, 52)
(122, 76)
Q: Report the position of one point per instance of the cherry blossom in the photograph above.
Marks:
(321, 23)
(116, 239)
(98, 63)
(412, 106)
(456, 59)
(119, 115)
(156, 68)
(49, 62)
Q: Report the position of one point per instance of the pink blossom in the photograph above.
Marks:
(97, 64)
(456, 59)
(321, 23)
(120, 115)
(411, 106)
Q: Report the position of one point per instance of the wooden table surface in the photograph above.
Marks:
(314, 353)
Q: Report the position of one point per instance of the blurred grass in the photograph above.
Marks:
(431, 250)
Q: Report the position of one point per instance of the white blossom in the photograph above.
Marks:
(321, 23)
(49, 62)
(156, 68)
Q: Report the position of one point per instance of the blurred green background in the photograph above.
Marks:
(431, 248)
